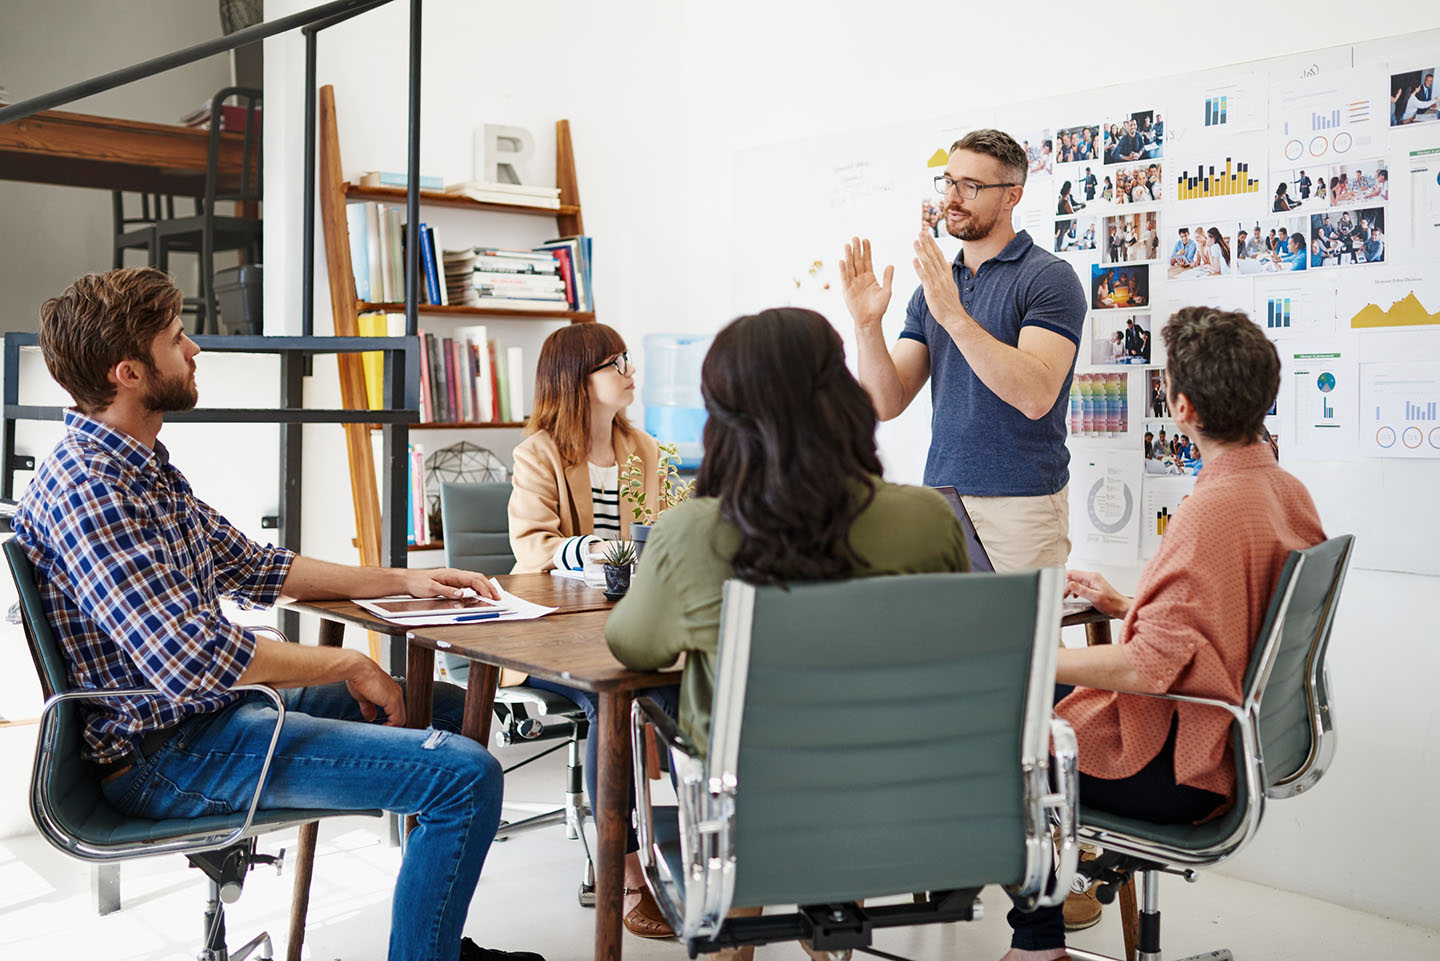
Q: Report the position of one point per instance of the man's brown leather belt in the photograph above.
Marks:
(138, 752)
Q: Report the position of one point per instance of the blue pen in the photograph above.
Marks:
(488, 615)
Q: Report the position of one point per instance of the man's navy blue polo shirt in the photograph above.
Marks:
(979, 443)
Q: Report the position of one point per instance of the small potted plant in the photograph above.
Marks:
(671, 491)
(618, 559)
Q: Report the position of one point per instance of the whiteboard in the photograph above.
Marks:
(1230, 137)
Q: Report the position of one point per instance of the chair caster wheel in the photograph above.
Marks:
(586, 895)
(1105, 893)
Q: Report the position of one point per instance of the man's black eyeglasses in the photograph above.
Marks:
(968, 189)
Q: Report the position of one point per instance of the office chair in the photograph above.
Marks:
(207, 232)
(870, 737)
(475, 525)
(1283, 736)
(72, 813)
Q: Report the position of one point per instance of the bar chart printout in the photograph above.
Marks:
(1216, 111)
(1230, 180)
(1400, 409)
(1277, 313)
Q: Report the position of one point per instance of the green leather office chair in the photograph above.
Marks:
(475, 525)
(1283, 735)
(871, 737)
(73, 814)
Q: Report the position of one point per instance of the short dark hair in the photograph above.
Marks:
(1226, 367)
(101, 320)
(1001, 146)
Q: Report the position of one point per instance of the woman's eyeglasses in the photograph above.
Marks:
(620, 362)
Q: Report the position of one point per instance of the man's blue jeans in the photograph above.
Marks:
(325, 759)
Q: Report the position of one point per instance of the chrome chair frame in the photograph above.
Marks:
(696, 903)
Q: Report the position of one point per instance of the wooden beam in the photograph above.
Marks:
(343, 308)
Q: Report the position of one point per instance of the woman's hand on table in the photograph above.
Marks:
(1098, 591)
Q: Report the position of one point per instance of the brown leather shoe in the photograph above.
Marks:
(1081, 910)
(644, 917)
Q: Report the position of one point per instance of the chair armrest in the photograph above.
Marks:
(267, 629)
(1064, 804)
(46, 748)
(1234, 710)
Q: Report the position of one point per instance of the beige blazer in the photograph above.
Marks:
(550, 501)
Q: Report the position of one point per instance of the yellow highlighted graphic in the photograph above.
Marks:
(1407, 312)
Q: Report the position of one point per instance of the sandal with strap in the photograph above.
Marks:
(644, 919)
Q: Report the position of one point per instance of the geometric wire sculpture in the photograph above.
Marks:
(459, 463)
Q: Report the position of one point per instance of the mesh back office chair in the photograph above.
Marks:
(207, 232)
(73, 814)
(870, 737)
(475, 524)
(1283, 738)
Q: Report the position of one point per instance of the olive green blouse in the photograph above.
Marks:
(674, 601)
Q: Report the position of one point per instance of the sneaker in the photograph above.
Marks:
(1081, 910)
(470, 951)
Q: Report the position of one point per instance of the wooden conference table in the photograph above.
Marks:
(568, 647)
(81, 150)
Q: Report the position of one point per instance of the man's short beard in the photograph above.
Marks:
(973, 229)
(171, 394)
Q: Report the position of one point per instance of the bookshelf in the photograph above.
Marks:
(575, 316)
(334, 193)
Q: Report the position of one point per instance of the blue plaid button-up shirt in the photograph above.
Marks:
(131, 567)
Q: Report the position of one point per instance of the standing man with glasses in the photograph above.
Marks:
(995, 332)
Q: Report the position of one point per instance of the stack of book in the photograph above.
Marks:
(554, 276)
(574, 257)
(493, 193)
(466, 376)
(377, 255)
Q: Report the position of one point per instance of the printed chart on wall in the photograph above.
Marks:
(1331, 117)
(1105, 522)
(1400, 410)
(1325, 404)
(1228, 105)
(1387, 297)
(1425, 198)
(1160, 501)
(1289, 308)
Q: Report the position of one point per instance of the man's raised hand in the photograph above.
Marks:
(865, 297)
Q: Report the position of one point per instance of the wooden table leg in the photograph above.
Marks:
(480, 702)
(1097, 632)
(1129, 918)
(612, 810)
(419, 696)
(332, 634)
(300, 894)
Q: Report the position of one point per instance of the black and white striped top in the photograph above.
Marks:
(605, 495)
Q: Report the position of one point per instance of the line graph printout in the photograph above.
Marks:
(1400, 410)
